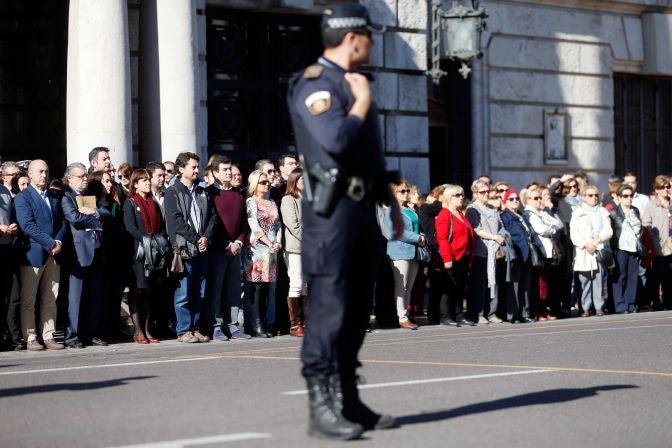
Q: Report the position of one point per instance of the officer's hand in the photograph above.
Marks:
(359, 86)
(448, 265)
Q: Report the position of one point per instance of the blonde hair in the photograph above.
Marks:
(449, 192)
(253, 181)
(402, 185)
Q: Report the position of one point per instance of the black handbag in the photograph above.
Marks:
(423, 255)
(605, 256)
(535, 256)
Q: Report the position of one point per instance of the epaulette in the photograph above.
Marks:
(313, 71)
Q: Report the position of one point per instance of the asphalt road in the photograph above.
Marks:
(588, 382)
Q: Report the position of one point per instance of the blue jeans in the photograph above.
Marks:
(223, 290)
(190, 293)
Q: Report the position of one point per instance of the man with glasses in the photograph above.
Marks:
(170, 172)
(638, 200)
(83, 257)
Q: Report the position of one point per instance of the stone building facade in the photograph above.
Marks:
(151, 78)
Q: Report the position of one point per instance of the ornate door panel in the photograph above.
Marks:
(251, 57)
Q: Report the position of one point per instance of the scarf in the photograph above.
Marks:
(149, 212)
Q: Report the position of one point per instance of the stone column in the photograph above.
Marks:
(99, 80)
(178, 77)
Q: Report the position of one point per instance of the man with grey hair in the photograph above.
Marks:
(9, 171)
(83, 260)
(40, 218)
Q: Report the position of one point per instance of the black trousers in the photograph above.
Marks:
(9, 306)
(339, 258)
(455, 284)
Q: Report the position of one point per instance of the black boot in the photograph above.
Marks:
(356, 411)
(324, 421)
(260, 331)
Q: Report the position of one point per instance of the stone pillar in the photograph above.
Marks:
(178, 77)
(99, 80)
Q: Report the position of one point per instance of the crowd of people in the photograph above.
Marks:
(203, 256)
(551, 250)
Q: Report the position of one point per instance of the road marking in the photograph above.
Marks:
(431, 380)
(182, 443)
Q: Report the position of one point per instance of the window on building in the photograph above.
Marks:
(643, 126)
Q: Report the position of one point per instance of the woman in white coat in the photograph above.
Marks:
(590, 230)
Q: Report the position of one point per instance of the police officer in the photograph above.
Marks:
(336, 126)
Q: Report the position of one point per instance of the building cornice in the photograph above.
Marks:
(612, 6)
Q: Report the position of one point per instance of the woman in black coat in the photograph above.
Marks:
(142, 217)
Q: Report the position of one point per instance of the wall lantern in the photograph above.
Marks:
(460, 33)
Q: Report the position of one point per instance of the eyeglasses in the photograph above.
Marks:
(626, 195)
(514, 199)
(263, 182)
(458, 195)
(83, 176)
(536, 198)
(404, 191)
(592, 195)
(484, 192)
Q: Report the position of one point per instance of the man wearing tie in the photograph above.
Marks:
(83, 259)
(40, 218)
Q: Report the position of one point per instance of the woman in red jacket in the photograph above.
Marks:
(455, 237)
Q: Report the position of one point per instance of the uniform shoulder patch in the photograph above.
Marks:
(313, 71)
(318, 102)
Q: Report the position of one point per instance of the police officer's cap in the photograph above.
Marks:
(349, 16)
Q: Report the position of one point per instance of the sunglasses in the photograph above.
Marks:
(591, 195)
(514, 199)
(501, 190)
(573, 186)
(169, 171)
(263, 182)
(666, 187)
(123, 176)
(404, 191)
(484, 192)
(458, 195)
(626, 195)
(271, 171)
(536, 198)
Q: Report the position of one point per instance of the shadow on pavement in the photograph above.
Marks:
(531, 399)
(26, 390)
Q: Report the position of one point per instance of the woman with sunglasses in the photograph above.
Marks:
(590, 230)
(402, 254)
(482, 290)
(125, 171)
(455, 238)
(568, 200)
(543, 299)
(657, 219)
(627, 236)
(265, 242)
(517, 289)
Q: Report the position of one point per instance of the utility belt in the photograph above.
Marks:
(325, 186)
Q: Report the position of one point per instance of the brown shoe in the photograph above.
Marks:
(297, 331)
(34, 346)
(53, 345)
(585, 314)
(201, 337)
(599, 313)
(405, 323)
(188, 338)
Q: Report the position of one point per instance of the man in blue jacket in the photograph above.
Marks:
(40, 218)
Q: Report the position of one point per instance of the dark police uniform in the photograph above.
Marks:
(338, 251)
